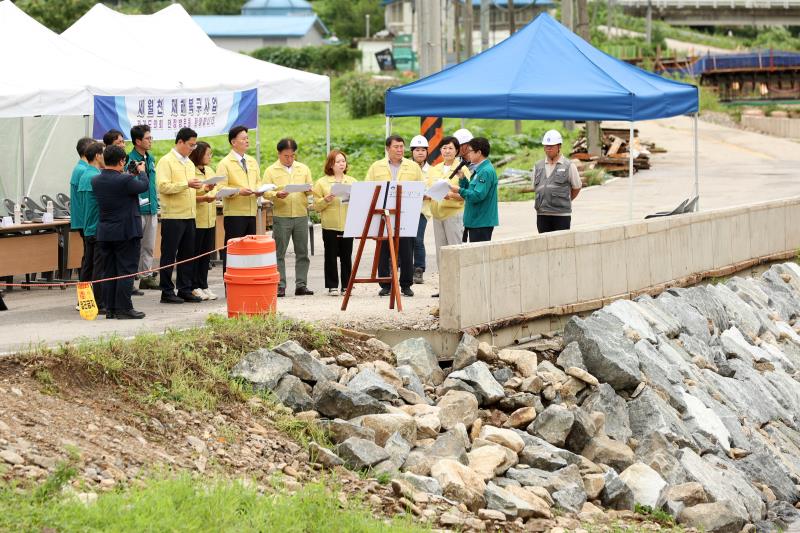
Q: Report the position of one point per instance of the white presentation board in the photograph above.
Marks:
(361, 198)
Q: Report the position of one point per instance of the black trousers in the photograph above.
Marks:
(337, 249)
(548, 223)
(236, 227)
(177, 243)
(405, 257)
(478, 234)
(120, 258)
(93, 268)
(203, 242)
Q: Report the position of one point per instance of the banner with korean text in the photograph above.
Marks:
(207, 114)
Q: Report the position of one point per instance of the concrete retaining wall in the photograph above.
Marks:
(780, 127)
(512, 281)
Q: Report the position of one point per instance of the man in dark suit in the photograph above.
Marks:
(119, 231)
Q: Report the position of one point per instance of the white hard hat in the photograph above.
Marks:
(551, 138)
(419, 141)
(463, 135)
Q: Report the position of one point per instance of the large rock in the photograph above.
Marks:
(491, 461)
(508, 503)
(570, 498)
(657, 452)
(369, 382)
(521, 417)
(460, 483)
(466, 352)
(571, 356)
(583, 429)
(707, 304)
(629, 314)
(607, 353)
(410, 379)
(540, 507)
(398, 449)
(690, 319)
(422, 483)
(717, 517)
(606, 401)
(604, 450)
(304, 365)
(541, 458)
(616, 494)
(340, 430)
(427, 419)
(384, 425)
(523, 360)
(419, 355)
(553, 424)
(480, 378)
(661, 322)
(723, 482)
(337, 401)
(457, 407)
(359, 454)
(292, 393)
(504, 437)
(452, 444)
(263, 368)
(551, 481)
(649, 413)
(704, 421)
(645, 483)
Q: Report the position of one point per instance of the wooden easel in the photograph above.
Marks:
(392, 237)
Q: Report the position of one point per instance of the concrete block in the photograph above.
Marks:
(721, 239)
(680, 249)
(587, 236)
(534, 277)
(637, 260)
(740, 236)
(475, 296)
(450, 289)
(759, 231)
(702, 245)
(615, 272)
(635, 229)
(506, 289)
(563, 281)
(660, 255)
(776, 236)
(589, 271)
(560, 239)
(473, 253)
(612, 234)
(533, 245)
(792, 214)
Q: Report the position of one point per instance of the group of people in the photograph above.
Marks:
(117, 199)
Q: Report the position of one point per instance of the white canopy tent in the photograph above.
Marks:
(46, 97)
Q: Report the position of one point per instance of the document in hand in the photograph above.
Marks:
(214, 180)
(340, 190)
(266, 187)
(224, 193)
(299, 187)
(438, 190)
(144, 201)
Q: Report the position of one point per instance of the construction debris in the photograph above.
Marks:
(616, 151)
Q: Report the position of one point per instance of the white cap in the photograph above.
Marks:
(551, 138)
(419, 141)
(463, 135)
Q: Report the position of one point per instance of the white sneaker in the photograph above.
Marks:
(209, 294)
(200, 294)
(333, 292)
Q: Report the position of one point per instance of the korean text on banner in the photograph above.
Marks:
(206, 113)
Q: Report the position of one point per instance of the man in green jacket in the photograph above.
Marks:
(142, 141)
(479, 194)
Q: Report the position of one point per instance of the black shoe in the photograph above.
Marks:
(418, 272)
(303, 291)
(281, 292)
(189, 297)
(110, 314)
(435, 295)
(137, 292)
(406, 291)
(171, 299)
(101, 311)
(130, 314)
(383, 292)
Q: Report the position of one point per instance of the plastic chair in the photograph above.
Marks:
(9, 205)
(56, 204)
(691, 207)
(29, 203)
(677, 211)
(63, 199)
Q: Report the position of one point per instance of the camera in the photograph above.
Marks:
(131, 167)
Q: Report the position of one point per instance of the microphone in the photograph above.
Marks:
(461, 165)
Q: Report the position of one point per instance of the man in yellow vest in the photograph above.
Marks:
(176, 181)
(394, 167)
(290, 214)
(241, 172)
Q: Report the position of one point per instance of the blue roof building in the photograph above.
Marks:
(265, 23)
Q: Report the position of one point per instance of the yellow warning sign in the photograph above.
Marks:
(86, 303)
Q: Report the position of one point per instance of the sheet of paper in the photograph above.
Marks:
(299, 187)
(361, 199)
(438, 190)
(266, 187)
(214, 180)
(341, 190)
(224, 193)
(144, 201)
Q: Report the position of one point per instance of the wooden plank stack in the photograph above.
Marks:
(616, 152)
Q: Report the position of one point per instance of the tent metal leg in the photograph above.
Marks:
(630, 174)
(328, 126)
(696, 162)
(88, 126)
(21, 184)
(258, 143)
(388, 126)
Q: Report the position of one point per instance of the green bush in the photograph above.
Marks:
(320, 59)
(364, 94)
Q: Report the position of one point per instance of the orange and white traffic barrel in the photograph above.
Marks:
(251, 276)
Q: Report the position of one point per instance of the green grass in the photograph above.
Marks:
(185, 503)
(657, 515)
(514, 194)
(188, 367)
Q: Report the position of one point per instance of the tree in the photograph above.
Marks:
(347, 18)
(58, 15)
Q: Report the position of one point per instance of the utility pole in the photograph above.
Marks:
(367, 32)
(429, 26)
(485, 7)
(468, 25)
(567, 20)
(593, 141)
(512, 28)
(457, 27)
(649, 23)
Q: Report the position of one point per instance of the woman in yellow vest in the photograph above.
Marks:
(334, 212)
(448, 214)
(205, 221)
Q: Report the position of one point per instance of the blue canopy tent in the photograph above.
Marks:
(546, 72)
